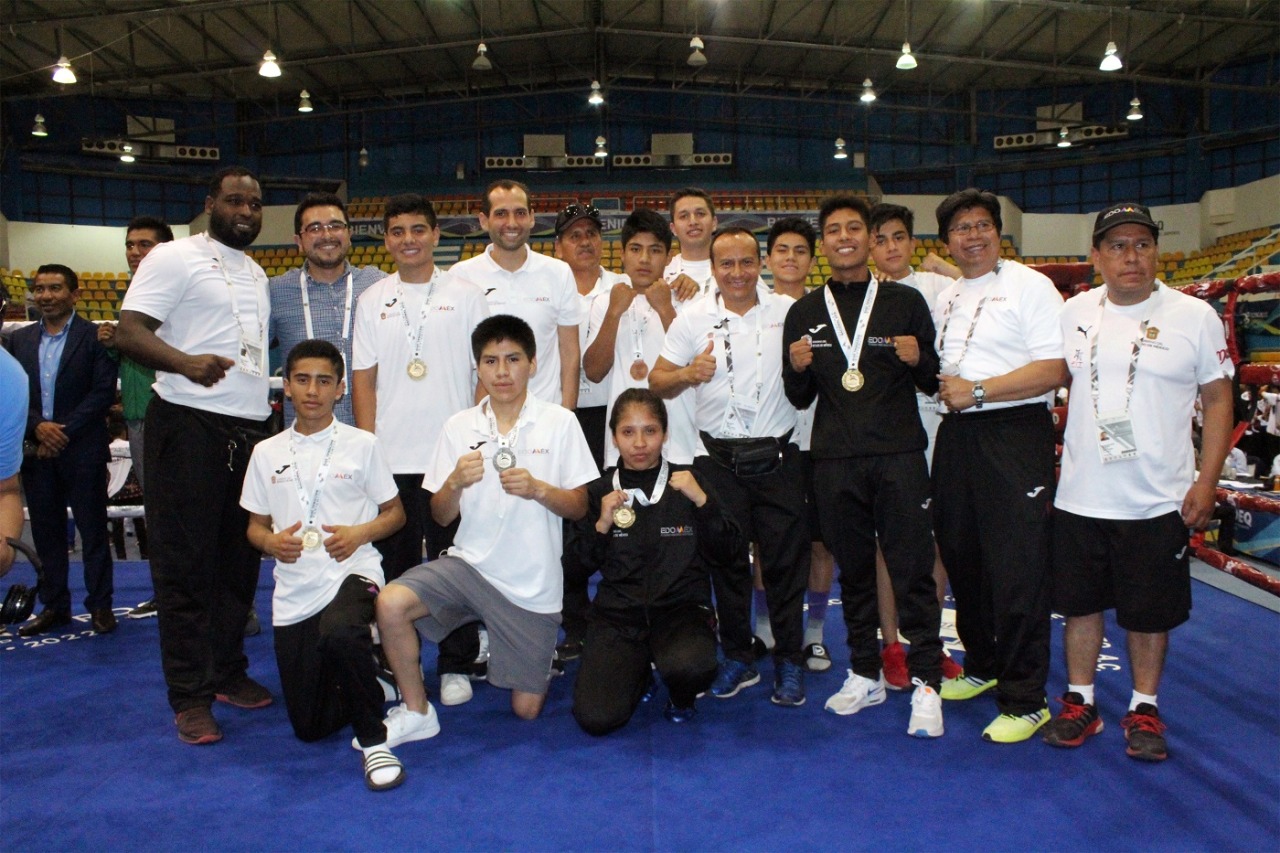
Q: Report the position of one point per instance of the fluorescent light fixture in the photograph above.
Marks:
(269, 67)
(481, 62)
(697, 59)
(39, 129)
(304, 102)
(868, 94)
(906, 62)
(1110, 59)
(62, 72)
(1135, 110)
(596, 98)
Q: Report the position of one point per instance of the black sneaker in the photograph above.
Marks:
(1144, 734)
(816, 658)
(244, 693)
(145, 610)
(679, 715)
(1075, 722)
(570, 649)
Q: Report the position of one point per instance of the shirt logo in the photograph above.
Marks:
(282, 468)
(879, 341)
(1084, 330)
(1036, 491)
(476, 446)
(677, 530)
(393, 301)
(817, 328)
(1152, 333)
(489, 290)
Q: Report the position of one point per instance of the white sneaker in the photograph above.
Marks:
(455, 689)
(926, 711)
(483, 655)
(404, 725)
(857, 693)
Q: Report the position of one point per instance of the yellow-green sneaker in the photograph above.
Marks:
(965, 687)
(1008, 728)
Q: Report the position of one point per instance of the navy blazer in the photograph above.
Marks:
(84, 390)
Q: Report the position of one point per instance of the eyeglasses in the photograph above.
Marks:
(316, 228)
(983, 227)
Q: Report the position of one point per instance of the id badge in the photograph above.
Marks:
(251, 359)
(733, 427)
(1115, 437)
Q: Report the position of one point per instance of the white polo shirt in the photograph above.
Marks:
(542, 293)
(699, 271)
(1183, 348)
(1018, 324)
(184, 287)
(592, 394)
(358, 481)
(412, 412)
(641, 326)
(514, 542)
(755, 342)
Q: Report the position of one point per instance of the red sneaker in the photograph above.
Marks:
(950, 669)
(893, 658)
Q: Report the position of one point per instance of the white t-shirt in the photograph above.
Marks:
(592, 394)
(514, 542)
(641, 328)
(930, 285)
(542, 293)
(1184, 348)
(411, 412)
(358, 481)
(699, 271)
(184, 287)
(755, 339)
(1018, 325)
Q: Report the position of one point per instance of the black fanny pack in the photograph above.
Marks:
(747, 457)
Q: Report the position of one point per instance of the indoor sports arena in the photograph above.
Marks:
(602, 424)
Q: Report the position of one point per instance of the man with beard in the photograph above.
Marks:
(198, 312)
(318, 299)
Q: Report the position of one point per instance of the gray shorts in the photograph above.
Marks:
(521, 642)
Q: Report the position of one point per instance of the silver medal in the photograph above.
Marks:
(311, 538)
(505, 458)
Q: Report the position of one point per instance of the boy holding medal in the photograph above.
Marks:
(510, 468)
(318, 494)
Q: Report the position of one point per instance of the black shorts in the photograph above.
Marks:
(1141, 568)
(811, 501)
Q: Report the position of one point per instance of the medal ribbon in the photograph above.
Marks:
(311, 503)
(415, 334)
(852, 349)
(1133, 360)
(638, 495)
(508, 440)
(638, 328)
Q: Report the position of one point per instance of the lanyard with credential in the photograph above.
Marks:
(505, 457)
(311, 536)
(1116, 439)
(306, 307)
(973, 324)
(735, 405)
(852, 379)
(251, 350)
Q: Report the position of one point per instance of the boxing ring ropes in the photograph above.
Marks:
(1071, 279)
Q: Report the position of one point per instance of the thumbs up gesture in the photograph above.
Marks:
(703, 366)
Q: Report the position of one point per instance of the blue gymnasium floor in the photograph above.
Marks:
(89, 760)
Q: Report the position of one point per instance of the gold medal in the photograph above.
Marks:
(639, 370)
(624, 517)
(311, 538)
(417, 369)
(853, 380)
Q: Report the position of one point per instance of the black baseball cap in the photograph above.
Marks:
(573, 213)
(1124, 213)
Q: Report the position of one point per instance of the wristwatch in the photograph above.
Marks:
(979, 395)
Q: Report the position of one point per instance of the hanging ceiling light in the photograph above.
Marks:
(39, 129)
(1063, 141)
(868, 94)
(62, 72)
(601, 150)
(840, 154)
(126, 153)
(1135, 110)
(304, 102)
(906, 62)
(269, 67)
(481, 62)
(596, 98)
(697, 59)
(1110, 59)
(364, 157)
